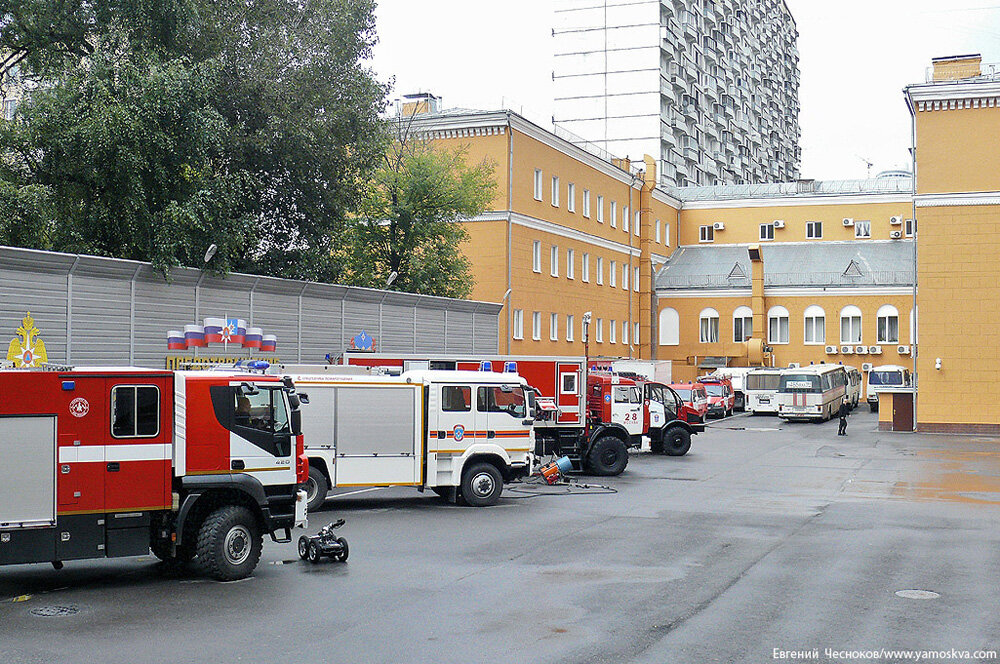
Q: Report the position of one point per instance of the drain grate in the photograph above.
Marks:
(917, 594)
(55, 611)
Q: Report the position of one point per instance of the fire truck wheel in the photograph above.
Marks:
(229, 543)
(482, 485)
(678, 441)
(608, 456)
(317, 487)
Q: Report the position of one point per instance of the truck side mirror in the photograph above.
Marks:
(303, 397)
(246, 389)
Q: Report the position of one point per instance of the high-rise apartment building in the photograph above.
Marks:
(711, 86)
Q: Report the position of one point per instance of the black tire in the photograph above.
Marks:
(482, 485)
(314, 554)
(229, 543)
(317, 486)
(608, 456)
(677, 441)
(344, 551)
(303, 547)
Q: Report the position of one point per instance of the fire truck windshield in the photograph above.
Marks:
(714, 390)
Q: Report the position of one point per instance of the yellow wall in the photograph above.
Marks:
(959, 315)
(958, 150)
(743, 223)
(690, 347)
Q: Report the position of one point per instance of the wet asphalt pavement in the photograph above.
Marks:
(766, 536)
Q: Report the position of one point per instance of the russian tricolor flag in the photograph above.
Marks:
(234, 331)
(268, 343)
(194, 336)
(213, 330)
(253, 337)
(175, 340)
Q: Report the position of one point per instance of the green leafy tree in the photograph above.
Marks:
(407, 221)
(161, 126)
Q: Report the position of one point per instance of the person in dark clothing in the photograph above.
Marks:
(844, 411)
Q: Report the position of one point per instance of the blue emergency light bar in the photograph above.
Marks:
(260, 365)
(510, 367)
(486, 365)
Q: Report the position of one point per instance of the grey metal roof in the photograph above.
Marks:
(902, 185)
(791, 264)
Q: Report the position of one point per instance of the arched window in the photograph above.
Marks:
(850, 325)
(777, 325)
(815, 325)
(708, 325)
(670, 327)
(887, 330)
(742, 324)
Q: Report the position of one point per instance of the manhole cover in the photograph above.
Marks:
(917, 594)
(52, 611)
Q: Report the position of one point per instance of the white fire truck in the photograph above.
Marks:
(461, 434)
(120, 461)
(594, 433)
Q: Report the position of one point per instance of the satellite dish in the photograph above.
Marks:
(210, 252)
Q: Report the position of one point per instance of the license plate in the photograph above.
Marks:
(765, 399)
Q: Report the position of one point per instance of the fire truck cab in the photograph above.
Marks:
(110, 462)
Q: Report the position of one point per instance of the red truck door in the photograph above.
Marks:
(82, 415)
(568, 381)
(137, 442)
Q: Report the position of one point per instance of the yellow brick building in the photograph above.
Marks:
(956, 116)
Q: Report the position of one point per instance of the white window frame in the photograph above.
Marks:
(708, 334)
(812, 314)
(885, 313)
(743, 315)
(624, 276)
(553, 327)
(625, 218)
(600, 270)
(536, 256)
(555, 191)
(625, 333)
(570, 322)
(862, 229)
(518, 324)
(636, 224)
(767, 232)
(600, 209)
(852, 313)
(777, 326)
(599, 331)
(814, 230)
(570, 264)
(635, 279)
(706, 233)
(635, 333)
(666, 234)
(656, 231)
(909, 226)
(586, 203)
(554, 260)
(670, 327)
(613, 274)
(585, 268)
(614, 214)
(538, 184)
(536, 325)
(613, 332)
(571, 197)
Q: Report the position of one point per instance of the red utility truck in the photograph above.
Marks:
(119, 461)
(568, 422)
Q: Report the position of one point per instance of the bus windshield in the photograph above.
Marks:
(800, 383)
(762, 382)
(885, 378)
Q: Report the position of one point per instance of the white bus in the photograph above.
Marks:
(887, 376)
(760, 390)
(854, 381)
(735, 376)
(812, 393)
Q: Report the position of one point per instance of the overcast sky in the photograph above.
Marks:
(856, 57)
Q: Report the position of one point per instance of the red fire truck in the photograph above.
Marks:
(120, 461)
(568, 423)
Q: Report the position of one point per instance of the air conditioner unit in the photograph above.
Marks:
(903, 350)
(895, 221)
(866, 366)
(719, 226)
(874, 350)
(778, 223)
(793, 365)
(847, 350)
(861, 350)
(848, 222)
(895, 235)
(831, 350)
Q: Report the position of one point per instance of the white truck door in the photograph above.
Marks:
(626, 408)
(505, 410)
(378, 435)
(456, 423)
